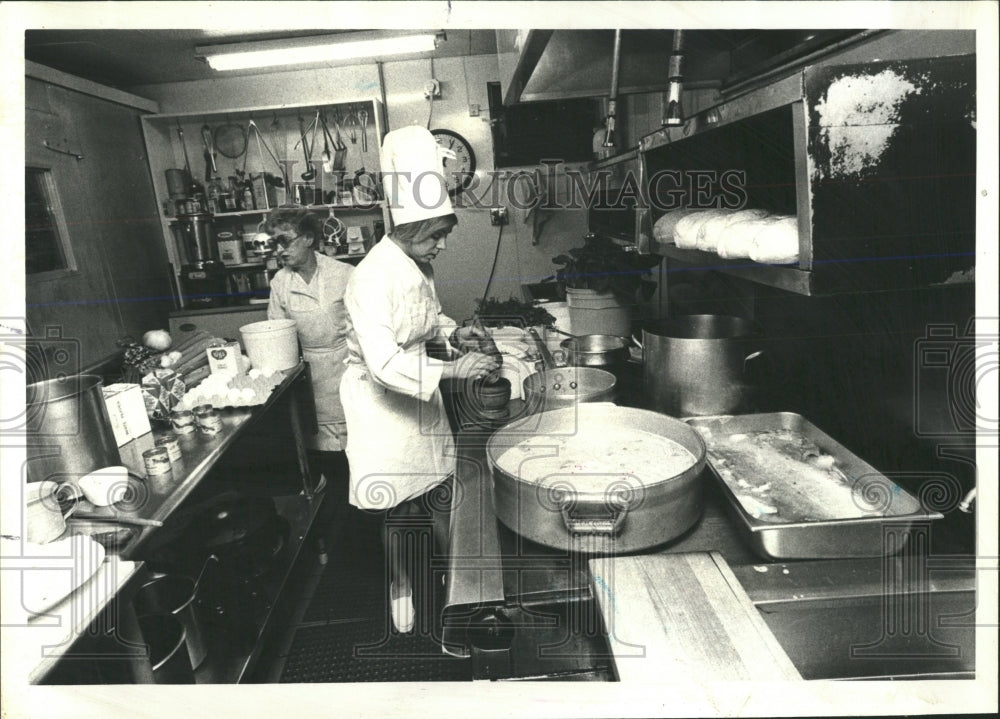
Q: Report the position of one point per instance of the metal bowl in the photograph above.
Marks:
(595, 350)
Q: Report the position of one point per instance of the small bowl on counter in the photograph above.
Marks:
(104, 487)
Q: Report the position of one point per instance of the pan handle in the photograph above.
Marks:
(752, 355)
(601, 516)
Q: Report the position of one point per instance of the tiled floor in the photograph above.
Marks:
(341, 631)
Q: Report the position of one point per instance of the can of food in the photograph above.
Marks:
(156, 461)
(208, 419)
(182, 420)
(170, 443)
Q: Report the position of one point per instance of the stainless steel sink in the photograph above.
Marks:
(837, 621)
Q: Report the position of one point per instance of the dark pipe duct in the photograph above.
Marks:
(674, 115)
(609, 133)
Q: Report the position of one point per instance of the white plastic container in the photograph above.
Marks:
(271, 344)
(597, 313)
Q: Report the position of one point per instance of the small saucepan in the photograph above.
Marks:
(596, 350)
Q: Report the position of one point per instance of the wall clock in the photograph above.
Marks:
(458, 172)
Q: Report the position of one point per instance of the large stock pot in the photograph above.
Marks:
(592, 515)
(696, 364)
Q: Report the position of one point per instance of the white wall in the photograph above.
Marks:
(462, 271)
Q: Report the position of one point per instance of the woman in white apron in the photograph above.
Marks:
(400, 445)
(309, 289)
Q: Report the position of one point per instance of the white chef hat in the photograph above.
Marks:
(413, 175)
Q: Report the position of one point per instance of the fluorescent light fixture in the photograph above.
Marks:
(304, 50)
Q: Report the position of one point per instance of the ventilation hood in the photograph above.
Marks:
(538, 65)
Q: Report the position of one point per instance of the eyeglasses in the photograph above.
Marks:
(286, 242)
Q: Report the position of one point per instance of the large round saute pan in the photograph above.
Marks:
(567, 386)
(607, 514)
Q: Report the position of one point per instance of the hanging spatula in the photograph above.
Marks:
(209, 142)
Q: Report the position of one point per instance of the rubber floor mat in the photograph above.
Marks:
(349, 590)
(363, 651)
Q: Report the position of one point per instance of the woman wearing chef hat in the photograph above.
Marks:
(400, 445)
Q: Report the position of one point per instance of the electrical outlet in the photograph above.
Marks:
(432, 89)
(498, 216)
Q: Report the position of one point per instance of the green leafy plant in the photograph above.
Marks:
(603, 265)
(512, 311)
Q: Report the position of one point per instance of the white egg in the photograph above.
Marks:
(246, 394)
(254, 373)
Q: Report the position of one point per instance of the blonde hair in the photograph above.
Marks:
(410, 232)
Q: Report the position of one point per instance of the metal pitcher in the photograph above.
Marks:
(69, 432)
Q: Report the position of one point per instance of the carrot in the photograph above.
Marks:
(194, 352)
(189, 340)
(199, 360)
(193, 377)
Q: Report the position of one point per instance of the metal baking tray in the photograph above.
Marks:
(878, 534)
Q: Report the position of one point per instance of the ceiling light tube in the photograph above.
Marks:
(301, 51)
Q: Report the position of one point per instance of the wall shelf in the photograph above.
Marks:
(175, 141)
(356, 207)
(784, 277)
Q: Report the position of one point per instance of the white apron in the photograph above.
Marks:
(399, 441)
(321, 324)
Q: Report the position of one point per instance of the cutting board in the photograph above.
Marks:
(684, 617)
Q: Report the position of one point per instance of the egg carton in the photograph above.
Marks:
(243, 390)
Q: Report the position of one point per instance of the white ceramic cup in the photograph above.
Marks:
(105, 486)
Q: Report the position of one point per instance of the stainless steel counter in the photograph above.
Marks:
(163, 499)
(836, 618)
(157, 498)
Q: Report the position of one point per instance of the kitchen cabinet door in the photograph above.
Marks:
(67, 308)
(116, 280)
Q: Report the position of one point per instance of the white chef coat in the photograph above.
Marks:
(399, 442)
(321, 322)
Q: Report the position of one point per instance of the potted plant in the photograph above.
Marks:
(603, 283)
(512, 312)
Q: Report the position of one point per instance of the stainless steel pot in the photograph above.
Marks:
(695, 364)
(596, 350)
(175, 594)
(69, 431)
(617, 519)
(566, 386)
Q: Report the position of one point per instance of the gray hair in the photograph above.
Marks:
(297, 219)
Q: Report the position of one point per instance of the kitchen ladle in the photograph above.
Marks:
(310, 173)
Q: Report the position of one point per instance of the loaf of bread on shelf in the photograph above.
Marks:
(710, 232)
(735, 238)
(777, 243)
(687, 228)
(663, 228)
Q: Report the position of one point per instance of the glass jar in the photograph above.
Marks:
(208, 419)
(182, 420)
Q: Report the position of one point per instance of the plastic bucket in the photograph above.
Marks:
(597, 313)
(271, 344)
